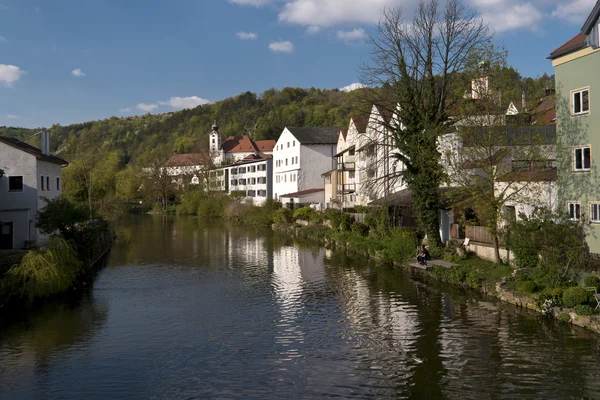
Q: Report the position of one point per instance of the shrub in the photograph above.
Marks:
(346, 222)
(304, 213)
(474, 279)
(360, 228)
(527, 286)
(590, 281)
(283, 216)
(61, 215)
(564, 317)
(574, 296)
(45, 273)
(584, 309)
(335, 217)
(399, 246)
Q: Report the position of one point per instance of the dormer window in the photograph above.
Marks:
(580, 100)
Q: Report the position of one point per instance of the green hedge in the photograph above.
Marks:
(574, 296)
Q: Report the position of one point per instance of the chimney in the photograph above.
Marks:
(45, 143)
(523, 103)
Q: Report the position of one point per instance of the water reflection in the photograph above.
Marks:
(189, 309)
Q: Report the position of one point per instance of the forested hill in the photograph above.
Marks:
(259, 116)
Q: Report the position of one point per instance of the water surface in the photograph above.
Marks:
(191, 310)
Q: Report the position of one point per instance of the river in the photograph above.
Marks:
(192, 310)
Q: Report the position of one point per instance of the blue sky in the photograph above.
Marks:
(65, 61)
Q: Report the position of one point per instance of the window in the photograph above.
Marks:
(234, 171)
(242, 181)
(293, 143)
(581, 102)
(285, 177)
(15, 183)
(595, 212)
(242, 170)
(262, 180)
(286, 163)
(213, 141)
(252, 169)
(234, 182)
(251, 193)
(47, 183)
(42, 182)
(582, 159)
(262, 193)
(57, 184)
(574, 211)
(253, 181)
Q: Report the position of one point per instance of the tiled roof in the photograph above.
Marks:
(238, 144)
(266, 145)
(545, 112)
(254, 156)
(360, 123)
(188, 160)
(316, 135)
(576, 43)
(343, 132)
(32, 150)
(303, 193)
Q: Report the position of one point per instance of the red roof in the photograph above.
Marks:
(266, 145)
(343, 132)
(545, 112)
(575, 43)
(360, 123)
(243, 144)
(189, 160)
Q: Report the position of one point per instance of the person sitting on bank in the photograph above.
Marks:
(423, 255)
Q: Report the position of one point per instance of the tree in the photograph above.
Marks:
(156, 180)
(61, 215)
(492, 159)
(416, 64)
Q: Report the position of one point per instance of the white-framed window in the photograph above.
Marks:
(582, 158)
(580, 100)
(595, 213)
(574, 211)
(288, 144)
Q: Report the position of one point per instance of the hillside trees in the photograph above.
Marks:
(417, 63)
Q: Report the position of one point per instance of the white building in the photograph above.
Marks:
(236, 148)
(251, 176)
(28, 177)
(300, 158)
(188, 168)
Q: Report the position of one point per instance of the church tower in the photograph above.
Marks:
(215, 139)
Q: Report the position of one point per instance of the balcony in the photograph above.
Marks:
(346, 188)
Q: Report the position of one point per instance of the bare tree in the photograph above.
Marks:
(415, 65)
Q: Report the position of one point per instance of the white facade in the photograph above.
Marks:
(252, 177)
(297, 166)
(28, 180)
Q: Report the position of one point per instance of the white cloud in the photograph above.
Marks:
(352, 36)
(352, 86)
(12, 116)
(574, 11)
(10, 74)
(334, 12)
(508, 15)
(247, 35)
(125, 110)
(282, 47)
(184, 102)
(147, 107)
(3, 39)
(313, 29)
(256, 3)
(78, 73)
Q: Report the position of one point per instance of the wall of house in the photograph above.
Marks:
(51, 171)
(257, 172)
(19, 207)
(315, 159)
(581, 187)
(281, 153)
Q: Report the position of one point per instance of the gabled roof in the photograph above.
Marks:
(238, 144)
(316, 135)
(576, 43)
(591, 19)
(545, 112)
(360, 123)
(265, 145)
(343, 133)
(33, 151)
(302, 193)
(188, 160)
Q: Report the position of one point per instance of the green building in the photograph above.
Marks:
(577, 73)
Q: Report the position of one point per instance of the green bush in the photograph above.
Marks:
(591, 281)
(584, 309)
(564, 317)
(574, 296)
(399, 246)
(283, 216)
(346, 223)
(304, 213)
(191, 202)
(527, 287)
(335, 218)
(360, 228)
(474, 279)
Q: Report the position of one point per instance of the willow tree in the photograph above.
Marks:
(416, 64)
